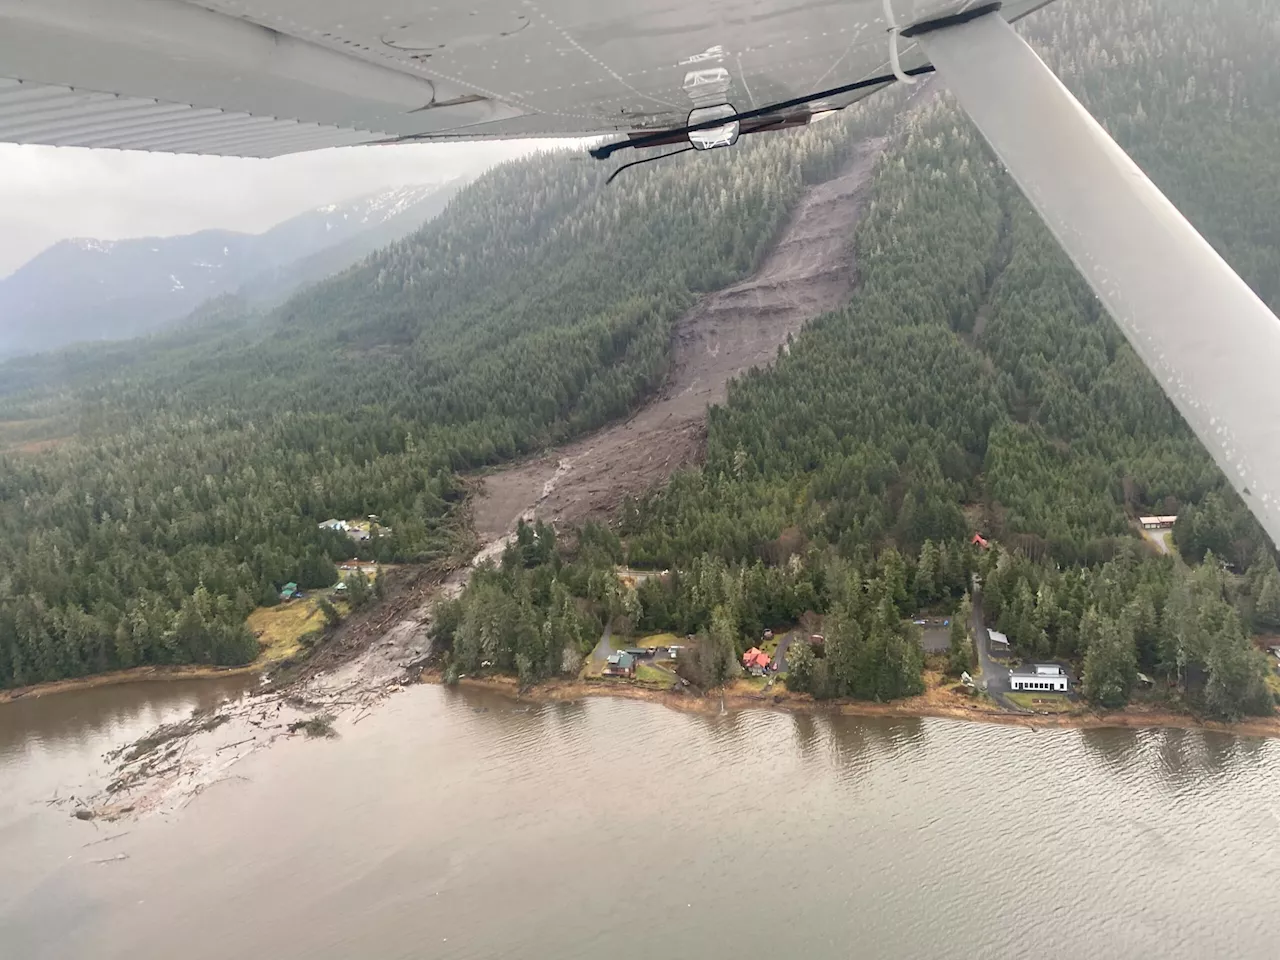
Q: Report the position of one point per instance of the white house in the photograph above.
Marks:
(1041, 676)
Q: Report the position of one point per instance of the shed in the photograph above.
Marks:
(288, 591)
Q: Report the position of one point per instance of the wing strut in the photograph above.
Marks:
(1212, 344)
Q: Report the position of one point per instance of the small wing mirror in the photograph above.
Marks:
(711, 138)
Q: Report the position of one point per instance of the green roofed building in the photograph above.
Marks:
(620, 664)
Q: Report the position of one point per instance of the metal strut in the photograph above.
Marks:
(1213, 345)
(894, 32)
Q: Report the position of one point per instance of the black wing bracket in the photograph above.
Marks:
(752, 121)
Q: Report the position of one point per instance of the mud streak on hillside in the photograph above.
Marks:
(809, 272)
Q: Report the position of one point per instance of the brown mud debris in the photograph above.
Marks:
(810, 271)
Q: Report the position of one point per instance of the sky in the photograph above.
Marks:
(53, 193)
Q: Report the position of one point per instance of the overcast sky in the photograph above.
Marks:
(51, 193)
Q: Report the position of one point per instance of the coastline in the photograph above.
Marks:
(410, 586)
(935, 702)
(926, 705)
(132, 675)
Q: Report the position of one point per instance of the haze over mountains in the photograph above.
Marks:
(86, 289)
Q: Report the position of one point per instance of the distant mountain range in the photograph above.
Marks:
(82, 289)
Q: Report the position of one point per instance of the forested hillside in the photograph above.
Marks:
(180, 487)
(974, 367)
(971, 384)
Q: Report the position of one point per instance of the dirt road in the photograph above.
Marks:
(810, 271)
(995, 675)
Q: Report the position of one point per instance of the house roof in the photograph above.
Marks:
(621, 659)
(1038, 671)
(998, 637)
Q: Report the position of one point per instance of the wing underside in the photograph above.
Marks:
(266, 77)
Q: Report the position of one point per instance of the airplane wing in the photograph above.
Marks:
(267, 77)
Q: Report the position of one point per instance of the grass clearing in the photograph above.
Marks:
(658, 640)
(649, 674)
(1042, 702)
(1273, 683)
(280, 629)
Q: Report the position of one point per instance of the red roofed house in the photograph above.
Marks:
(980, 540)
(755, 660)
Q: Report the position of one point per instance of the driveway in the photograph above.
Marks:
(780, 655)
(605, 647)
(995, 676)
(1161, 539)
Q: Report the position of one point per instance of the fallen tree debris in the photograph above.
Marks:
(317, 726)
(114, 836)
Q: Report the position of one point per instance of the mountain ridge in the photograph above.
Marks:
(89, 289)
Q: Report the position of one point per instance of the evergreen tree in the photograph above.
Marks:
(801, 668)
(1267, 607)
(928, 574)
(961, 655)
(1110, 661)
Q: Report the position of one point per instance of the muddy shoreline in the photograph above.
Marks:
(379, 649)
(949, 708)
(132, 675)
(410, 591)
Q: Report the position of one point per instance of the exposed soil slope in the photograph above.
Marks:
(810, 271)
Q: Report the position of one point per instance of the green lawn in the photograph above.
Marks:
(649, 674)
(1043, 702)
(659, 640)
